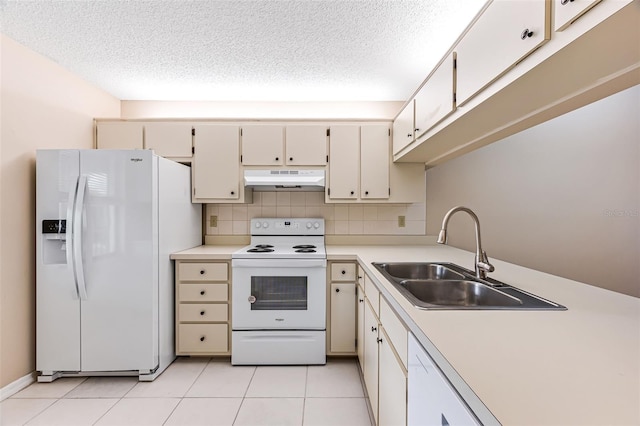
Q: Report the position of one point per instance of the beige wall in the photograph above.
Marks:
(260, 110)
(43, 106)
(562, 197)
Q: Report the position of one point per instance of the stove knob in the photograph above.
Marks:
(308, 225)
(258, 225)
(316, 225)
(265, 225)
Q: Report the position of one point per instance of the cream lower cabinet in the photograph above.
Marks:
(215, 169)
(360, 317)
(202, 308)
(385, 359)
(341, 309)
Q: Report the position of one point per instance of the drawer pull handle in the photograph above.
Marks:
(202, 271)
(202, 339)
(374, 329)
(201, 312)
(202, 292)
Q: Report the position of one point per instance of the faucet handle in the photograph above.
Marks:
(483, 266)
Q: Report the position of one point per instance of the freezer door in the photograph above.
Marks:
(57, 302)
(120, 252)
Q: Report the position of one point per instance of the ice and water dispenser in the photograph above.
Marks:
(54, 241)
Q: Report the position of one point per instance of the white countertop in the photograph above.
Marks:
(580, 366)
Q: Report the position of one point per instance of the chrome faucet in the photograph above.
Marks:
(482, 265)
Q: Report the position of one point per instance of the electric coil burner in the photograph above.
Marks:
(279, 294)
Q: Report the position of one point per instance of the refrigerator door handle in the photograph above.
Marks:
(69, 237)
(77, 238)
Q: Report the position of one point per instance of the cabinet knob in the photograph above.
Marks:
(352, 192)
(201, 292)
(366, 192)
(201, 312)
(337, 290)
(563, 2)
(361, 300)
(290, 158)
(409, 135)
(526, 34)
(417, 130)
(202, 339)
(233, 192)
(343, 272)
(202, 271)
(379, 340)
(374, 329)
(277, 158)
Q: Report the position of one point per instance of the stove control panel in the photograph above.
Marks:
(289, 226)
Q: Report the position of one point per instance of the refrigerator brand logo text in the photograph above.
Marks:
(136, 160)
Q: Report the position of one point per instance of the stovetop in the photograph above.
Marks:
(289, 238)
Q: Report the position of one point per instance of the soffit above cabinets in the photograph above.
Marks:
(290, 50)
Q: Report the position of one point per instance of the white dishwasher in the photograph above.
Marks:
(431, 399)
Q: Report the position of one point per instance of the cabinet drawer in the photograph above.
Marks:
(203, 292)
(203, 312)
(195, 338)
(343, 272)
(206, 271)
(395, 330)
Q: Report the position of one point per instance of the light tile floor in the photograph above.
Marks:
(199, 391)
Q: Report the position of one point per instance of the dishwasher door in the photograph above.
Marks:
(431, 399)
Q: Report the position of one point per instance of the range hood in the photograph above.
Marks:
(284, 180)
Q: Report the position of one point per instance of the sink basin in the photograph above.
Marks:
(457, 293)
(424, 271)
(443, 285)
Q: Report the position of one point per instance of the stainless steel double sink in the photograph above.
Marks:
(429, 285)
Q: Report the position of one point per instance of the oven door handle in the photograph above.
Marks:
(279, 263)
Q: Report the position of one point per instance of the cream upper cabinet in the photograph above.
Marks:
(216, 164)
(262, 145)
(359, 158)
(172, 140)
(306, 145)
(505, 33)
(403, 127)
(375, 157)
(119, 135)
(567, 11)
(435, 99)
(344, 162)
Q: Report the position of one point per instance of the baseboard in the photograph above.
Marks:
(17, 385)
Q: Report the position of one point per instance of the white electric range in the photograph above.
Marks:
(279, 294)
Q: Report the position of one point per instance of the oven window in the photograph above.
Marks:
(279, 293)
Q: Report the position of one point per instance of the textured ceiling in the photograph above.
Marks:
(289, 50)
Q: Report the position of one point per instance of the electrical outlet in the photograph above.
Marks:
(401, 222)
(213, 221)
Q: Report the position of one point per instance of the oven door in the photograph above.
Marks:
(283, 294)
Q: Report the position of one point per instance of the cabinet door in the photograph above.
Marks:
(434, 101)
(403, 128)
(505, 33)
(262, 145)
(343, 317)
(567, 11)
(392, 407)
(360, 327)
(344, 159)
(169, 139)
(374, 162)
(371, 358)
(119, 135)
(216, 163)
(306, 145)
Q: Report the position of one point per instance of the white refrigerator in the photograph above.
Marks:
(106, 223)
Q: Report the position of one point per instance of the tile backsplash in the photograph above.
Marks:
(340, 219)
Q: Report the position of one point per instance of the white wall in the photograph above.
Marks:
(42, 106)
(562, 197)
